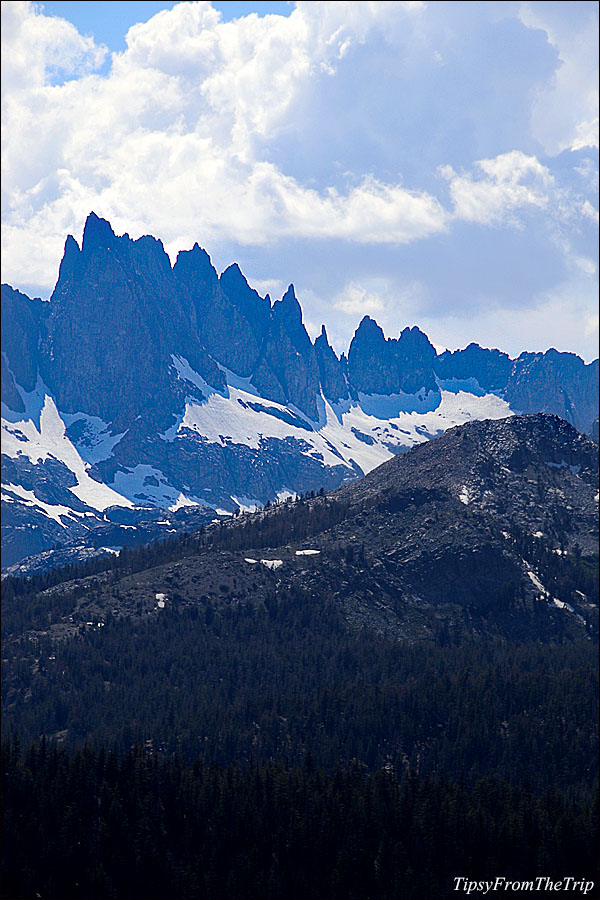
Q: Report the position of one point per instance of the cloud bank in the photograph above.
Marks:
(374, 135)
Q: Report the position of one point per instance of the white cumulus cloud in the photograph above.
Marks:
(507, 183)
(309, 147)
(565, 111)
(167, 139)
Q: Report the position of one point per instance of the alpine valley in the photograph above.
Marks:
(144, 399)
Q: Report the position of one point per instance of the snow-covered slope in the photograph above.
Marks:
(51, 459)
(345, 434)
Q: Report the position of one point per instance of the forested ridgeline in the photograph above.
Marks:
(128, 560)
(251, 683)
(246, 742)
(277, 524)
(28, 603)
(92, 824)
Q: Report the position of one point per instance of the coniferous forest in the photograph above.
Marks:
(272, 752)
(97, 825)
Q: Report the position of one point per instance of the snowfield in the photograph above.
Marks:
(40, 435)
(146, 486)
(354, 434)
(357, 435)
(13, 492)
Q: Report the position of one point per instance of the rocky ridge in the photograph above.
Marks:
(208, 394)
(488, 530)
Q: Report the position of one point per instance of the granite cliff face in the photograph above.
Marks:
(392, 366)
(334, 381)
(555, 382)
(22, 323)
(222, 320)
(488, 370)
(150, 386)
(287, 371)
(113, 323)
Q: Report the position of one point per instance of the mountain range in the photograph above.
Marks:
(490, 528)
(145, 398)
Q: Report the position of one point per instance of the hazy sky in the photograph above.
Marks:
(427, 163)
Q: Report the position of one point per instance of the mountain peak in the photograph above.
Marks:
(97, 233)
(369, 326)
(234, 273)
(71, 245)
(368, 335)
(416, 343)
(290, 297)
(69, 263)
(414, 331)
(196, 262)
(288, 307)
(71, 253)
(235, 284)
(246, 300)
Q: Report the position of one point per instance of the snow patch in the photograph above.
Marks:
(181, 501)
(251, 561)
(161, 600)
(284, 495)
(456, 385)
(561, 605)
(564, 465)
(48, 439)
(389, 406)
(272, 563)
(186, 373)
(53, 510)
(307, 552)
(466, 495)
(537, 583)
(246, 504)
(94, 441)
(147, 486)
(538, 534)
(241, 382)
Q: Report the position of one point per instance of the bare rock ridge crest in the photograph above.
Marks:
(118, 301)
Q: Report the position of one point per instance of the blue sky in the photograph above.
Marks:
(108, 21)
(425, 163)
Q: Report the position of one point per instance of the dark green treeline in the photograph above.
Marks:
(93, 824)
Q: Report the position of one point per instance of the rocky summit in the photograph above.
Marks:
(489, 530)
(146, 396)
